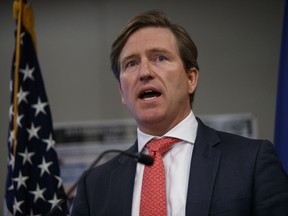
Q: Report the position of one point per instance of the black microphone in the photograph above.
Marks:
(139, 157)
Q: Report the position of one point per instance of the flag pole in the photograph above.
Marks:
(17, 7)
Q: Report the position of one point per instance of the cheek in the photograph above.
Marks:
(181, 83)
(180, 89)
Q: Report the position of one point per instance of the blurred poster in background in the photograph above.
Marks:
(80, 143)
(240, 124)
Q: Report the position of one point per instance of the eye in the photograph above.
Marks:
(161, 58)
(131, 64)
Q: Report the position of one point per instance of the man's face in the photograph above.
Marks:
(153, 82)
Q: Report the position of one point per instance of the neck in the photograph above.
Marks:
(160, 128)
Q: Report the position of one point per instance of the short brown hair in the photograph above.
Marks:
(154, 18)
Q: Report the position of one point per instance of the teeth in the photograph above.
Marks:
(149, 95)
(146, 99)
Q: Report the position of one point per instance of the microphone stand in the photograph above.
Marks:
(141, 158)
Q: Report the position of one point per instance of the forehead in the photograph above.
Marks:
(149, 38)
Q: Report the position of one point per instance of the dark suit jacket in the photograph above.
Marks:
(230, 176)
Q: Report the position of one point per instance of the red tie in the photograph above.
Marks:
(153, 195)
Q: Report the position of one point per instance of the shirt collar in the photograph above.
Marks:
(186, 130)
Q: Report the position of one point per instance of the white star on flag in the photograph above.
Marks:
(44, 166)
(11, 137)
(12, 161)
(16, 206)
(54, 201)
(21, 37)
(50, 142)
(19, 118)
(40, 106)
(60, 181)
(27, 72)
(11, 187)
(11, 112)
(21, 180)
(22, 95)
(33, 132)
(38, 193)
(26, 156)
(33, 214)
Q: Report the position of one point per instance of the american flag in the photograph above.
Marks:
(281, 115)
(34, 185)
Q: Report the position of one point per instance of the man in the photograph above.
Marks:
(207, 172)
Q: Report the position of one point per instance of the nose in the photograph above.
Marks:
(145, 71)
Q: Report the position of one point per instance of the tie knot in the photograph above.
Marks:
(161, 145)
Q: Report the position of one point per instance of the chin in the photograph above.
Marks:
(150, 118)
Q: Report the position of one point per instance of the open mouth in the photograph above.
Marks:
(149, 95)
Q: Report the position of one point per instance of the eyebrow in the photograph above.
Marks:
(127, 57)
(153, 50)
(162, 50)
(122, 61)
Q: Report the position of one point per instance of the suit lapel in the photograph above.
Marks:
(204, 166)
(122, 185)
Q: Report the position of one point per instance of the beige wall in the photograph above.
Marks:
(238, 45)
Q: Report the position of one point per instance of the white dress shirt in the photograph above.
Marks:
(177, 166)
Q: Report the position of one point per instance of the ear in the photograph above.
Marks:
(120, 90)
(192, 75)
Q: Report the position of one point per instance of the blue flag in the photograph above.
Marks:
(281, 123)
(33, 185)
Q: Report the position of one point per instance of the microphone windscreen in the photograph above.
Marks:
(145, 159)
